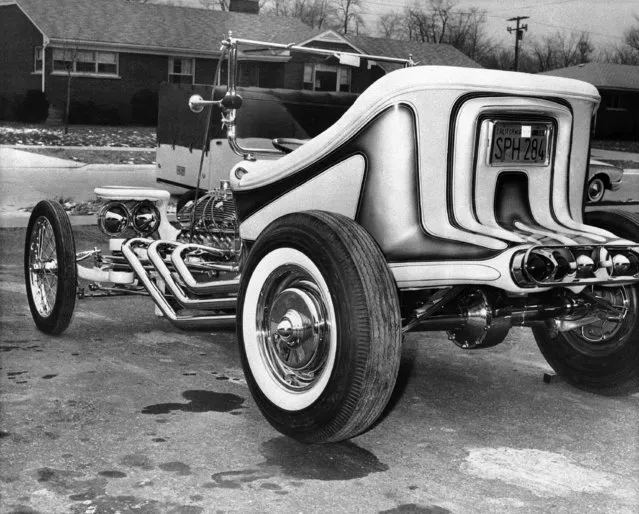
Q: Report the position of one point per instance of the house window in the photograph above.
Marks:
(85, 62)
(249, 74)
(325, 77)
(181, 70)
(38, 59)
(613, 101)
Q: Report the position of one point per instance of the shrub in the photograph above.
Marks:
(88, 113)
(33, 107)
(144, 107)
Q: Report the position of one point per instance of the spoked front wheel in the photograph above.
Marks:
(50, 268)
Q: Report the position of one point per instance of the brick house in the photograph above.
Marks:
(116, 51)
(618, 85)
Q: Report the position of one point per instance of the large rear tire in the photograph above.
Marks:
(602, 357)
(49, 267)
(319, 327)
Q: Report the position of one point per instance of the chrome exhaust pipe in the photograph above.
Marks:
(128, 250)
(543, 266)
(203, 288)
(176, 291)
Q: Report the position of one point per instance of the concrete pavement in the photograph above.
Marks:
(125, 413)
(26, 178)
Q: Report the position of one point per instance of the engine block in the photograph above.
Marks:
(211, 220)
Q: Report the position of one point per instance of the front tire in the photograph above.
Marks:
(319, 327)
(603, 356)
(50, 268)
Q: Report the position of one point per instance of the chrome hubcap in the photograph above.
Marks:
(43, 266)
(293, 333)
(595, 190)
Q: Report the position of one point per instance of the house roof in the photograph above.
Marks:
(423, 53)
(602, 75)
(155, 27)
(162, 28)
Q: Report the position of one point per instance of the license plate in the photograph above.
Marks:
(520, 143)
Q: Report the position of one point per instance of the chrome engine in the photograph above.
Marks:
(211, 220)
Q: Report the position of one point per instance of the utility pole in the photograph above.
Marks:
(519, 35)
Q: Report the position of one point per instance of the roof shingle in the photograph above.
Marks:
(156, 26)
(602, 75)
(423, 53)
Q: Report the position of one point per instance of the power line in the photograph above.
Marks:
(573, 29)
(537, 5)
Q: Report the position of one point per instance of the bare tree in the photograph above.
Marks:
(626, 52)
(391, 25)
(68, 56)
(348, 15)
(429, 23)
(561, 50)
(315, 13)
(631, 35)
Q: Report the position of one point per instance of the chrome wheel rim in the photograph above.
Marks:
(293, 332)
(596, 190)
(607, 335)
(43, 266)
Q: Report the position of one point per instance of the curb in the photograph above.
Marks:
(20, 219)
(115, 167)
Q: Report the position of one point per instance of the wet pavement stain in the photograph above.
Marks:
(136, 460)
(340, 461)
(412, 508)
(71, 483)
(235, 479)
(112, 474)
(176, 467)
(199, 401)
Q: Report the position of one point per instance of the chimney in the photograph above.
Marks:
(247, 6)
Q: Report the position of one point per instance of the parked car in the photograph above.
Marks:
(443, 199)
(601, 177)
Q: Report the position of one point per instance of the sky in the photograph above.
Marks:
(604, 20)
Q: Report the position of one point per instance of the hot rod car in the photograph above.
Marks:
(443, 199)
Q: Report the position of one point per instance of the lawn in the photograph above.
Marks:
(105, 137)
(79, 135)
(619, 146)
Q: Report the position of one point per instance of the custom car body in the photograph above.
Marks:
(443, 199)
